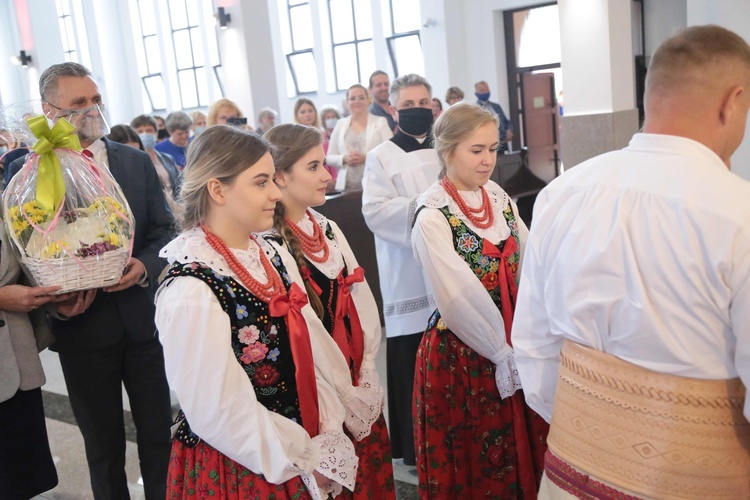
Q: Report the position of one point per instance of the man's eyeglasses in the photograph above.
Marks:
(68, 112)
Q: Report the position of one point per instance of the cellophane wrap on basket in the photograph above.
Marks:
(67, 218)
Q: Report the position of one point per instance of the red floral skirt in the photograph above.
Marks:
(465, 437)
(202, 472)
(375, 470)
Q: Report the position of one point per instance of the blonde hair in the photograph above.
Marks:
(223, 153)
(290, 142)
(301, 102)
(197, 115)
(357, 86)
(454, 124)
(213, 111)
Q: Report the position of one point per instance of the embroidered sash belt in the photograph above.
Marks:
(651, 434)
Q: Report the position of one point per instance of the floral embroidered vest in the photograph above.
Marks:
(260, 343)
(469, 245)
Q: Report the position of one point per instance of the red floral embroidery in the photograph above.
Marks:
(265, 375)
(465, 436)
(203, 472)
(489, 281)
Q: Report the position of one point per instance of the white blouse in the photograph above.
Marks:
(217, 396)
(464, 304)
(370, 391)
(642, 253)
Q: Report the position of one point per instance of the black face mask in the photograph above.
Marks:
(162, 134)
(415, 121)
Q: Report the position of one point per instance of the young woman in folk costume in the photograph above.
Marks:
(337, 289)
(474, 434)
(243, 350)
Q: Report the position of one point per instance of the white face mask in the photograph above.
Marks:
(3, 150)
(331, 123)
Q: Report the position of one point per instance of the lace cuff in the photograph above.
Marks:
(506, 373)
(338, 462)
(363, 406)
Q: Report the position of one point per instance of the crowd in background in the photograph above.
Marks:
(622, 336)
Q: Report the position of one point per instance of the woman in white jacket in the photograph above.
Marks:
(353, 137)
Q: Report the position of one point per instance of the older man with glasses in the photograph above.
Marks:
(114, 341)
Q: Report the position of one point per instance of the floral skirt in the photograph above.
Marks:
(465, 434)
(375, 470)
(203, 472)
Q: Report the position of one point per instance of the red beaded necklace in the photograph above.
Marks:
(264, 292)
(311, 245)
(482, 217)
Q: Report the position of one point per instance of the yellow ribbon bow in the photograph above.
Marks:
(50, 186)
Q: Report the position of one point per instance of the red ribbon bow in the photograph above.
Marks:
(290, 306)
(506, 280)
(352, 345)
(305, 272)
(508, 295)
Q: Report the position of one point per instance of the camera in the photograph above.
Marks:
(237, 122)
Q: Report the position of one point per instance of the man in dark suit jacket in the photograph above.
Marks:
(114, 342)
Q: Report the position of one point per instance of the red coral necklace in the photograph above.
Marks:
(483, 216)
(311, 245)
(264, 291)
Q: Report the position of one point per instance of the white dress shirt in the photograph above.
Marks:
(393, 181)
(99, 152)
(369, 393)
(464, 304)
(643, 253)
(340, 255)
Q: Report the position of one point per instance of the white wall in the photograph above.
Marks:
(733, 15)
(113, 61)
(597, 56)
(662, 19)
(14, 83)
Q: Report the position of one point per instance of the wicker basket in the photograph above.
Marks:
(79, 274)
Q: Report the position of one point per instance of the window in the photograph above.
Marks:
(187, 41)
(178, 53)
(149, 60)
(74, 41)
(351, 35)
(301, 67)
(404, 44)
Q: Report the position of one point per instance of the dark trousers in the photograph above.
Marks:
(401, 357)
(94, 380)
(26, 466)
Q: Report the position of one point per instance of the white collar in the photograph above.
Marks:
(437, 197)
(191, 247)
(99, 150)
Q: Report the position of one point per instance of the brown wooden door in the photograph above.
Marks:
(540, 124)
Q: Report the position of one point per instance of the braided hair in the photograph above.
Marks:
(290, 143)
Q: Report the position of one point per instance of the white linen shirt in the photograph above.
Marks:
(642, 253)
(464, 304)
(215, 392)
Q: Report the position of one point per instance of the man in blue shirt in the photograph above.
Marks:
(482, 91)
(178, 126)
(379, 89)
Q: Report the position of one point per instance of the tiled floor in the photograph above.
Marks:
(68, 452)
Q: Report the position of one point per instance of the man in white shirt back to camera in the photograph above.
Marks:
(396, 173)
(632, 328)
